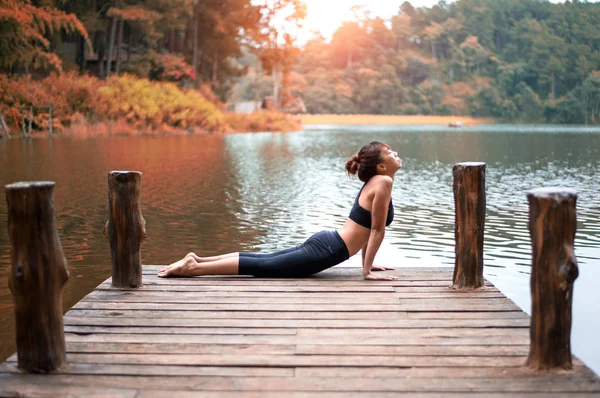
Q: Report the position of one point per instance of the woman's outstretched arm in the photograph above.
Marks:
(383, 193)
(373, 267)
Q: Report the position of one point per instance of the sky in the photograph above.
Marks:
(327, 15)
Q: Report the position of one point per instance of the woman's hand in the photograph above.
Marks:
(372, 277)
(380, 268)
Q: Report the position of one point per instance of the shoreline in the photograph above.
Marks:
(392, 119)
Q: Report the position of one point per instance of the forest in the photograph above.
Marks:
(526, 61)
(153, 65)
(177, 64)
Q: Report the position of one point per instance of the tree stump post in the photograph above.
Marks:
(37, 276)
(552, 225)
(469, 224)
(125, 228)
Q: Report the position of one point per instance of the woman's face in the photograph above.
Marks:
(391, 159)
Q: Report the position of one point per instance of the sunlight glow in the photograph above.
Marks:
(327, 16)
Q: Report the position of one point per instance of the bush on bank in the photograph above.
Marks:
(125, 104)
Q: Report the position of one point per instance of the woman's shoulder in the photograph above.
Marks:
(381, 181)
(380, 185)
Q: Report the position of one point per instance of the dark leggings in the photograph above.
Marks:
(321, 251)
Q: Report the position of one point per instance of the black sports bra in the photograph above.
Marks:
(362, 216)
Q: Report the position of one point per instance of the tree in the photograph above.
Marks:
(25, 33)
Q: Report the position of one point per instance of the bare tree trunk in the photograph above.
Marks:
(111, 45)
(257, 73)
(469, 224)
(275, 76)
(172, 40)
(37, 276)
(195, 49)
(119, 45)
(215, 68)
(129, 45)
(552, 224)
(125, 228)
(553, 77)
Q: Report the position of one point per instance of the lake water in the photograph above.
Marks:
(266, 191)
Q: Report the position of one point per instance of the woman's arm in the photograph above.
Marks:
(373, 267)
(381, 200)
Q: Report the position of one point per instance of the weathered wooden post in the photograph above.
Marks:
(552, 224)
(125, 228)
(37, 276)
(469, 224)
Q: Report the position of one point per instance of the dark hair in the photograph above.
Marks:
(365, 161)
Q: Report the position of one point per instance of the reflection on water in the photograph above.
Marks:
(252, 192)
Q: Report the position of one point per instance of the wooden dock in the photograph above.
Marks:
(332, 335)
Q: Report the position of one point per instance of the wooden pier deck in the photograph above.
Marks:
(332, 335)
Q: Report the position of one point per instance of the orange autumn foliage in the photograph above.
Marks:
(126, 104)
(25, 31)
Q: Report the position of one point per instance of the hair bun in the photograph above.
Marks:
(352, 164)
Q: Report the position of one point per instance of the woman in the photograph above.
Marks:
(376, 164)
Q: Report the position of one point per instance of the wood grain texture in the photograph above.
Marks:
(125, 228)
(469, 224)
(552, 224)
(243, 337)
(38, 274)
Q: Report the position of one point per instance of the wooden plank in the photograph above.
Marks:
(149, 348)
(180, 330)
(76, 368)
(423, 306)
(264, 297)
(535, 384)
(295, 315)
(278, 285)
(270, 288)
(381, 339)
(175, 314)
(302, 349)
(355, 278)
(399, 349)
(173, 393)
(257, 360)
(423, 333)
(331, 273)
(15, 387)
(482, 333)
(517, 314)
(479, 372)
(255, 290)
(294, 323)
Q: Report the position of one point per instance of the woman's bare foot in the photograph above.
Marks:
(187, 266)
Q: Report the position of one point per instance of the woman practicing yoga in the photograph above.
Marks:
(376, 164)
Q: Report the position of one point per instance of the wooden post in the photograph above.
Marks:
(37, 276)
(125, 228)
(469, 224)
(552, 224)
